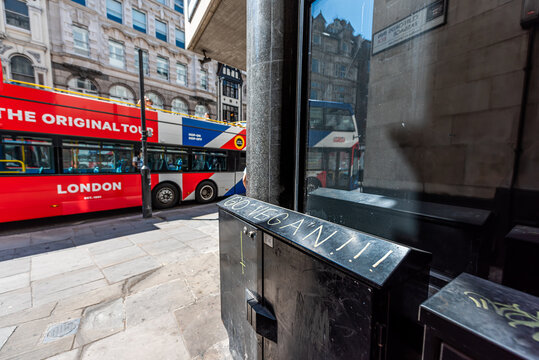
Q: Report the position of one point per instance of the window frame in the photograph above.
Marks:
(167, 63)
(22, 17)
(83, 51)
(160, 35)
(118, 45)
(111, 15)
(137, 27)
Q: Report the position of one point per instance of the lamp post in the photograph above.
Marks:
(144, 170)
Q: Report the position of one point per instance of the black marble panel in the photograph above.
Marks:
(482, 320)
(366, 257)
(521, 268)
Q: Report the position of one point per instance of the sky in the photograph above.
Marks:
(357, 12)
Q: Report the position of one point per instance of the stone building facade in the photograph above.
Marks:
(94, 50)
(24, 41)
(444, 107)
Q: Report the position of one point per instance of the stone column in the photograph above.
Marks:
(271, 65)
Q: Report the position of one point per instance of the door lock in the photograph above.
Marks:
(251, 233)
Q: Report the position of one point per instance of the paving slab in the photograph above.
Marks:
(51, 285)
(145, 237)
(105, 246)
(14, 282)
(68, 293)
(157, 338)
(127, 269)
(118, 256)
(15, 301)
(218, 351)
(163, 246)
(89, 298)
(202, 274)
(26, 315)
(157, 301)
(5, 333)
(200, 324)
(59, 262)
(69, 355)
(15, 266)
(100, 321)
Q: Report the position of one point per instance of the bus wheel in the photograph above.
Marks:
(312, 184)
(206, 192)
(164, 196)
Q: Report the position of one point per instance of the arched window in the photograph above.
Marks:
(157, 100)
(180, 106)
(201, 110)
(120, 92)
(22, 69)
(82, 85)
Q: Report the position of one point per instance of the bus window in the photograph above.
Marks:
(177, 160)
(209, 161)
(339, 120)
(82, 157)
(243, 161)
(316, 117)
(25, 155)
(315, 160)
(156, 159)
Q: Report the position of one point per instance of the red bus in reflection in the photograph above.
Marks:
(65, 154)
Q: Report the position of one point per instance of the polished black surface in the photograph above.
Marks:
(297, 287)
(458, 237)
(370, 258)
(521, 268)
(482, 320)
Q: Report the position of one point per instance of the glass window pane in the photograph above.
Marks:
(114, 10)
(178, 6)
(139, 21)
(162, 68)
(145, 61)
(17, 14)
(177, 160)
(22, 69)
(116, 54)
(181, 74)
(26, 155)
(82, 85)
(161, 31)
(157, 101)
(120, 92)
(180, 106)
(80, 41)
(201, 110)
(180, 38)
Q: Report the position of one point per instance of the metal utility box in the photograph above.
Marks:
(521, 267)
(297, 287)
(475, 319)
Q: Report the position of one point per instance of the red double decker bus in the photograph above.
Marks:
(64, 154)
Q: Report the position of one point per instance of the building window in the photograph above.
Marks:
(22, 69)
(316, 39)
(181, 74)
(139, 21)
(180, 38)
(161, 30)
(230, 113)
(162, 67)
(17, 14)
(80, 41)
(145, 61)
(180, 106)
(230, 89)
(82, 2)
(116, 54)
(164, 2)
(120, 92)
(114, 10)
(204, 79)
(178, 6)
(157, 100)
(340, 71)
(82, 85)
(315, 67)
(201, 110)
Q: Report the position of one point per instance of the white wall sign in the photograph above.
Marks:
(423, 20)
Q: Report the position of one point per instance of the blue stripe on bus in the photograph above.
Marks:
(315, 136)
(237, 189)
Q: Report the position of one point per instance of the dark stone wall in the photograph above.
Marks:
(271, 65)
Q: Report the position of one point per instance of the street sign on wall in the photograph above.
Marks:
(418, 22)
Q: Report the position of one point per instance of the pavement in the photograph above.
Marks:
(122, 288)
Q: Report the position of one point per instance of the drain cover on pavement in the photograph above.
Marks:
(58, 331)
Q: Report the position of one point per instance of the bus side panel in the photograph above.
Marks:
(170, 129)
(190, 183)
(31, 197)
(224, 181)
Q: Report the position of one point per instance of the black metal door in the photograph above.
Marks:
(239, 248)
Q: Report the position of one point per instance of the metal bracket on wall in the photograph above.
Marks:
(261, 319)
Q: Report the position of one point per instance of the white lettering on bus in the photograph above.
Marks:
(89, 187)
